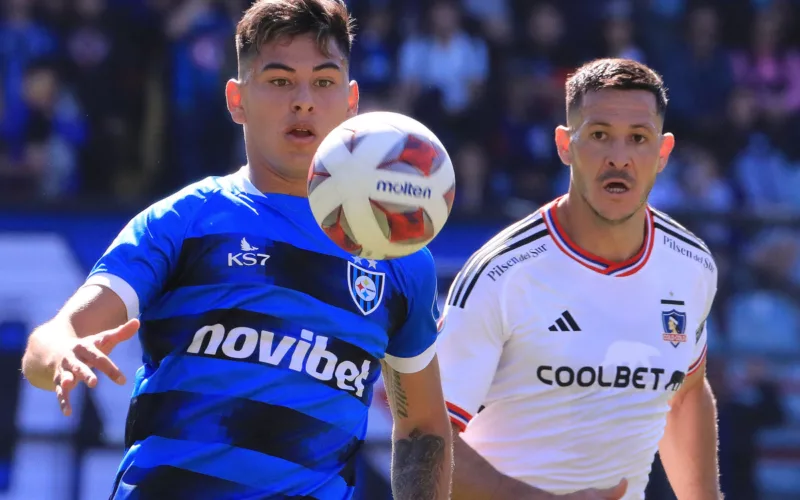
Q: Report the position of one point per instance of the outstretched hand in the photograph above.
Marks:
(80, 357)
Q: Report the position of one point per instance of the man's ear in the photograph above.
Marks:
(352, 99)
(233, 97)
(563, 140)
(667, 145)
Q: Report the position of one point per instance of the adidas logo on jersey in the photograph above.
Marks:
(248, 256)
(309, 353)
(566, 323)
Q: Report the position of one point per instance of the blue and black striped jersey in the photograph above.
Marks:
(261, 342)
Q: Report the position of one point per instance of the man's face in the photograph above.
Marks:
(615, 148)
(289, 98)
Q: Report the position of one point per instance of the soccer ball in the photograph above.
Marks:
(381, 185)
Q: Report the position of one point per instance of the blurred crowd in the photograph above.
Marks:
(104, 102)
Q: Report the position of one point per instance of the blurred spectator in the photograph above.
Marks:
(22, 41)
(770, 67)
(698, 74)
(542, 51)
(373, 56)
(619, 39)
(524, 142)
(202, 59)
(92, 66)
(707, 190)
(53, 134)
(442, 72)
(494, 18)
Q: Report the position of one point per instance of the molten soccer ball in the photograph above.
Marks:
(381, 185)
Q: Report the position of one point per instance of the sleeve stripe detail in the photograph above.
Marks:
(487, 256)
(693, 368)
(683, 238)
(119, 286)
(458, 422)
(414, 364)
(685, 235)
(458, 416)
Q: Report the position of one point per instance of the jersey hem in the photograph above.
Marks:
(411, 365)
(119, 286)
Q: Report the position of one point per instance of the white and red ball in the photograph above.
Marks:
(381, 185)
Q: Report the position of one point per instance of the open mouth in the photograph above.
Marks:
(302, 132)
(616, 187)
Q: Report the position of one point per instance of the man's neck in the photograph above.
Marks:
(268, 180)
(612, 242)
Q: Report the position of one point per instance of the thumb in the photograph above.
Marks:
(617, 491)
(111, 338)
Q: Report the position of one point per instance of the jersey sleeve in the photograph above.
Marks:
(413, 346)
(470, 344)
(701, 335)
(143, 255)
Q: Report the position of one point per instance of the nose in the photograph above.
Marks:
(303, 101)
(618, 156)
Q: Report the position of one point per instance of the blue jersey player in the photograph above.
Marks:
(259, 353)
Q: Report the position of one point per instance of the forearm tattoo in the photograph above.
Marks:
(417, 466)
(417, 460)
(398, 396)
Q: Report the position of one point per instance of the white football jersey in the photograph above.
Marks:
(559, 365)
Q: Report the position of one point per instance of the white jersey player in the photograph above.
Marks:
(573, 344)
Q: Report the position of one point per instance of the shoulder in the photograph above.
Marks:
(189, 199)
(674, 239)
(415, 270)
(518, 245)
(421, 260)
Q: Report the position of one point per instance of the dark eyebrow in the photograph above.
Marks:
(634, 126)
(289, 69)
(279, 66)
(327, 65)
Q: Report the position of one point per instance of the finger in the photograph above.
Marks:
(95, 358)
(80, 371)
(62, 392)
(110, 339)
(63, 401)
(65, 379)
(617, 491)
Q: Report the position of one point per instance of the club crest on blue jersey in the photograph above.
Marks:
(366, 287)
(674, 323)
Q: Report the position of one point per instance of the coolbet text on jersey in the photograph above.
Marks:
(261, 344)
(558, 365)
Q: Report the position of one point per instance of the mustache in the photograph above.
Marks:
(621, 176)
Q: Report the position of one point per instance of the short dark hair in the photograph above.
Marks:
(268, 20)
(620, 74)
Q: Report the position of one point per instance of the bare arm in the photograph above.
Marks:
(689, 446)
(422, 453)
(62, 352)
(90, 310)
(476, 479)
